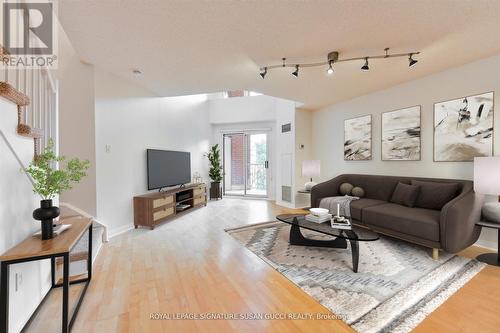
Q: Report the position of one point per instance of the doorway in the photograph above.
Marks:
(246, 164)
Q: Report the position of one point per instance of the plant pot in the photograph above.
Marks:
(215, 190)
(45, 214)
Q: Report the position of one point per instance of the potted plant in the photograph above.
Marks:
(50, 181)
(215, 172)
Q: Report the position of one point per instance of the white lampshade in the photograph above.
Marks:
(487, 175)
(310, 168)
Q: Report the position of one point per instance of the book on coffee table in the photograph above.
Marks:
(318, 219)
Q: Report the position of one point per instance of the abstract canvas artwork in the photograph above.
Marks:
(358, 139)
(401, 135)
(463, 128)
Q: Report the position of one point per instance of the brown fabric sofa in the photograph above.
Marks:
(451, 229)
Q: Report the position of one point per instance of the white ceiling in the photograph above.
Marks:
(189, 47)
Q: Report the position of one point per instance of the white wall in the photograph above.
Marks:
(76, 121)
(285, 151)
(328, 124)
(130, 125)
(17, 204)
(242, 109)
(303, 136)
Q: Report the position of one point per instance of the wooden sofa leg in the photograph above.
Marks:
(435, 253)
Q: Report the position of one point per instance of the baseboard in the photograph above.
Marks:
(118, 231)
(245, 197)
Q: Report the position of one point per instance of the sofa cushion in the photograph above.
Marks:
(358, 205)
(405, 194)
(345, 188)
(418, 222)
(379, 188)
(434, 195)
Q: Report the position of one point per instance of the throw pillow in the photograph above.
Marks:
(405, 194)
(358, 192)
(345, 189)
(434, 195)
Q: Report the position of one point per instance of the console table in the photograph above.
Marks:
(34, 248)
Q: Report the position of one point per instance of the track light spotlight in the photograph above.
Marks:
(365, 66)
(263, 74)
(411, 60)
(296, 72)
(330, 68)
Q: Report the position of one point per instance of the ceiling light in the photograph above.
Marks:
(333, 59)
(365, 66)
(411, 60)
(263, 74)
(330, 68)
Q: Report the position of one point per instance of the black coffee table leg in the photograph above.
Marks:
(296, 238)
(354, 249)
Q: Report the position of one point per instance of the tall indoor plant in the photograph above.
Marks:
(50, 181)
(215, 171)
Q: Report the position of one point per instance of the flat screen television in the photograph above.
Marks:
(168, 168)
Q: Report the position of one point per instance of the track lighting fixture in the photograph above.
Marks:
(330, 68)
(365, 66)
(333, 58)
(411, 60)
(263, 73)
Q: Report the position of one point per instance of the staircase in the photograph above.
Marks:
(36, 116)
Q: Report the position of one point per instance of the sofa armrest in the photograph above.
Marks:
(458, 219)
(329, 188)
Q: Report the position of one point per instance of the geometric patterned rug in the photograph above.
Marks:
(397, 285)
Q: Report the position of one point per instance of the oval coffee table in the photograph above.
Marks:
(354, 235)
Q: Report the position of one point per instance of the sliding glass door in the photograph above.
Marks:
(246, 164)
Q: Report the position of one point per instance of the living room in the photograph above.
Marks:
(249, 166)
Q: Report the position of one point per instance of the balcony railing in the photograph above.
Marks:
(257, 177)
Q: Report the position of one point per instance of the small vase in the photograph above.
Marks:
(46, 213)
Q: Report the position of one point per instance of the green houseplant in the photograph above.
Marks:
(49, 181)
(215, 171)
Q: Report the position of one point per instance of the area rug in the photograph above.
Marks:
(397, 285)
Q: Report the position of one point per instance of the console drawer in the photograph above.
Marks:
(198, 191)
(163, 213)
(198, 201)
(163, 201)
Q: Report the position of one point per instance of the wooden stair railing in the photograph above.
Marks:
(10, 93)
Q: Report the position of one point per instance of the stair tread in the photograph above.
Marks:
(12, 94)
(27, 131)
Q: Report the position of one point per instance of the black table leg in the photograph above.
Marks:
(4, 297)
(491, 258)
(354, 249)
(296, 238)
(65, 306)
(89, 257)
(53, 271)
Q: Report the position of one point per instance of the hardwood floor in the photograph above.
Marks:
(190, 265)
